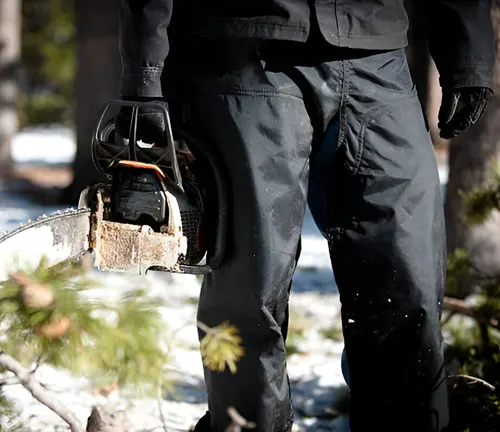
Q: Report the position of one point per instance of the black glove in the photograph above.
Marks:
(461, 108)
(150, 122)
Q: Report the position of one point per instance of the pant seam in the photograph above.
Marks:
(343, 111)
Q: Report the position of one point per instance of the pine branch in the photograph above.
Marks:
(126, 349)
(459, 306)
(470, 380)
(28, 381)
(221, 347)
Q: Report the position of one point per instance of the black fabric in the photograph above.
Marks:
(460, 32)
(384, 224)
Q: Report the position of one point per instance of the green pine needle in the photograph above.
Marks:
(221, 347)
(8, 415)
(479, 203)
(458, 271)
(125, 351)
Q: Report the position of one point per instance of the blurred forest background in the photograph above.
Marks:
(59, 63)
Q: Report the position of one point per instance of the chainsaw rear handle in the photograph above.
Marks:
(132, 143)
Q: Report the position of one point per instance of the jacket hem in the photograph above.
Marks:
(277, 31)
(370, 42)
(251, 29)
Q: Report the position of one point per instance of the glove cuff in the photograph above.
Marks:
(141, 83)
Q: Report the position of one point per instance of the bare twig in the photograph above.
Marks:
(159, 398)
(238, 422)
(28, 381)
(14, 380)
(172, 338)
(38, 362)
(9, 380)
(459, 306)
(448, 318)
(206, 328)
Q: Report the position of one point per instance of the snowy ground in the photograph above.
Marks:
(314, 369)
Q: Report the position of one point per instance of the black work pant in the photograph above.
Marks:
(382, 215)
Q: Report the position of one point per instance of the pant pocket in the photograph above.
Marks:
(391, 141)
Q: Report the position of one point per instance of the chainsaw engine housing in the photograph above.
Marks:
(139, 197)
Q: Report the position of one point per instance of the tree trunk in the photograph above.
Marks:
(469, 161)
(97, 81)
(10, 50)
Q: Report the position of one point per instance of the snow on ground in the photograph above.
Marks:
(51, 143)
(314, 369)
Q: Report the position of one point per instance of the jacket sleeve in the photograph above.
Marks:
(461, 41)
(144, 45)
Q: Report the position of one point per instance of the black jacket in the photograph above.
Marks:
(460, 32)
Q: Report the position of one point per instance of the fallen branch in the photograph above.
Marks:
(459, 306)
(28, 381)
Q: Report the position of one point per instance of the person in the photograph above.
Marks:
(314, 100)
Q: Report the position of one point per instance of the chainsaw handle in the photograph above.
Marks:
(132, 144)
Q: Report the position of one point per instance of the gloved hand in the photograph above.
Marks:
(461, 108)
(150, 122)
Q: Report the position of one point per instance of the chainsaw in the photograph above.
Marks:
(162, 207)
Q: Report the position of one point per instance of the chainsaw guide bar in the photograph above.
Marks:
(61, 236)
(69, 235)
